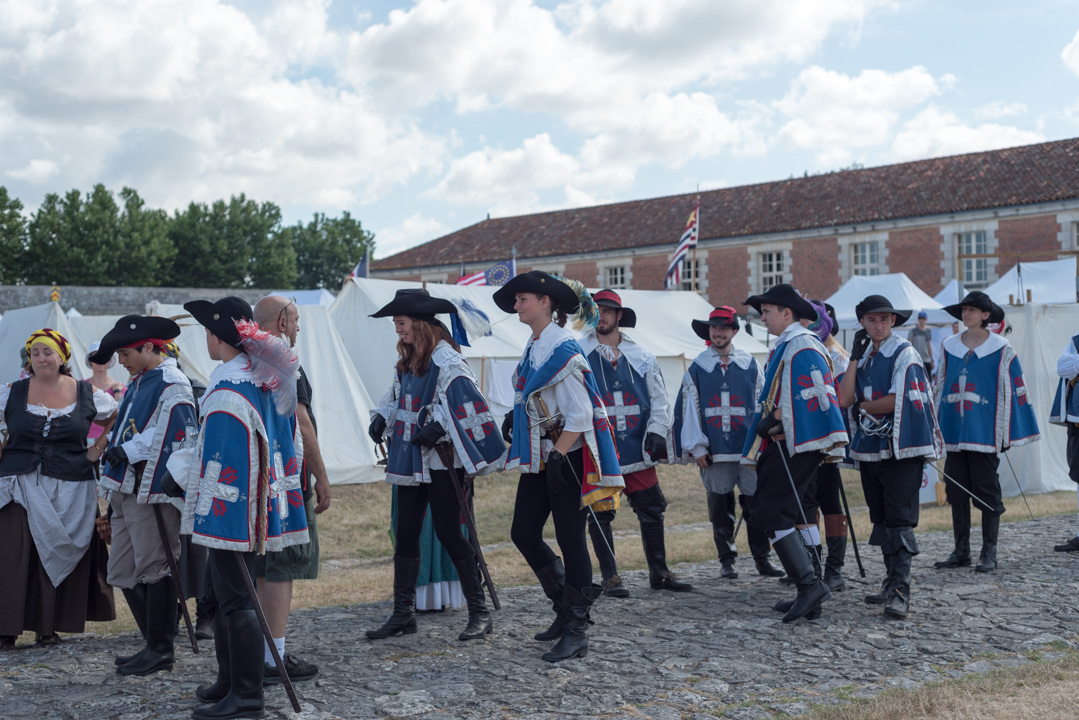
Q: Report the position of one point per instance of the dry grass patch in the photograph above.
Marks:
(1043, 690)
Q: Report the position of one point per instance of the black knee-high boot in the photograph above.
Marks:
(795, 559)
(835, 536)
(721, 515)
(987, 561)
(479, 619)
(160, 631)
(245, 698)
(599, 529)
(553, 581)
(403, 619)
(960, 556)
(574, 642)
(136, 600)
(759, 547)
(217, 690)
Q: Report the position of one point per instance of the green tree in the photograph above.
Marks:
(327, 249)
(12, 239)
(75, 241)
(148, 253)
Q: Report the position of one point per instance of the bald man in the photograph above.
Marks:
(277, 570)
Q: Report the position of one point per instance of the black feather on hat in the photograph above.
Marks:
(220, 317)
(130, 329)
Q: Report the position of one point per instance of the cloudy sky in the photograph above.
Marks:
(421, 118)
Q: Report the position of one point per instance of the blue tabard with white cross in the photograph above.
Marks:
(464, 413)
(1066, 401)
(625, 395)
(982, 398)
(414, 393)
(245, 493)
(914, 431)
(159, 398)
(724, 406)
(798, 380)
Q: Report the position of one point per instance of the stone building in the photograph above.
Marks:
(967, 216)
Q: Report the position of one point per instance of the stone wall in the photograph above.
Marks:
(112, 300)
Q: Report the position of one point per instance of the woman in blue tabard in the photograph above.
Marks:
(557, 416)
(432, 413)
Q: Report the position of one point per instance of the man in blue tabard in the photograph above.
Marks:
(895, 434)
(156, 418)
(635, 397)
(798, 426)
(711, 423)
(1066, 412)
(243, 495)
(983, 409)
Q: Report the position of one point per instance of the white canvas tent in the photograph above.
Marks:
(1053, 282)
(663, 326)
(93, 327)
(952, 293)
(897, 287)
(1039, 334)
(16, 328)
(340, 404)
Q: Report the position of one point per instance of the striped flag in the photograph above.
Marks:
(363, 266)
(498, 274)
(685, 244)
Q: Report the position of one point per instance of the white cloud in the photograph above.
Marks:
(192, 99)
(1070, 55)
(1000, 109)
(935, 133)
(412, 231)
(38, 171)
(834, 114)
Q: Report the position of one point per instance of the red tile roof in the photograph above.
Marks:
(997, 178)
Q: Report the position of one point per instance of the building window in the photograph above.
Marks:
(974, 270)
(866, 258)
(771, 269)
(616, 276)
(691, 278)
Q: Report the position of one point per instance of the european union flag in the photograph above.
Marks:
(501, 273)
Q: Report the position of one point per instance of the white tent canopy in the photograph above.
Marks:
(663, 326)
(1052, 282)
(897, 287)
(952, 293)
(340, 403)
(20, 323)
(1039, 335)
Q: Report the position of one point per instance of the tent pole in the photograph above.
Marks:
(483, 365)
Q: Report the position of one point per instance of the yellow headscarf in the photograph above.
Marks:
(53, 339)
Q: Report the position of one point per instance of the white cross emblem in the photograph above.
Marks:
(408, 416)
(963, 396)
(210, 489)
(281, 484)
(473, 422)
(917, 395)
(621, 411)
(190, 434)
(725, 410)
(1020, 391)
(820, 390)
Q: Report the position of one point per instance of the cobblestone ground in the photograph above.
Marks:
(718, 652)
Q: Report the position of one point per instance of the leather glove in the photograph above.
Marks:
(656, 446)
(861, 344)
(170, 487)
(429, 434)
(769, 426)
(856, 410)
(556, 469)
(507, 427)
(376, 428)
(114, 456)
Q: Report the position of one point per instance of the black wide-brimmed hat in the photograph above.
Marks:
(131, 329)
(611, 299)
(220, 317)
(416, 303)
(784, 295)
(722, 316)
(880, 304)
(981, 301)
(539, 283)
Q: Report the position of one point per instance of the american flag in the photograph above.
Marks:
(685, 243)
(498, 274)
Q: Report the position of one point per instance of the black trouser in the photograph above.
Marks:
(536, 501)
(227, 584)
(891, 491)
(1073, 452)
(977, 472)
(412, 504)
(775, 505)
(827, 496)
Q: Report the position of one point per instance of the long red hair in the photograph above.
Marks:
(425, 336)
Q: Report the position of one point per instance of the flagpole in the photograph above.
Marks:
(696, 267)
